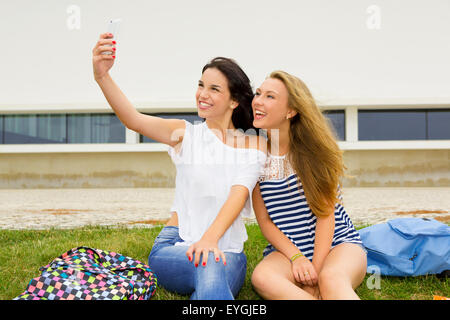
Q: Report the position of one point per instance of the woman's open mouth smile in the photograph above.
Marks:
(203, 105)
(259, 114)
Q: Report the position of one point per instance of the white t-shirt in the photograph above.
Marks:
(206, 170)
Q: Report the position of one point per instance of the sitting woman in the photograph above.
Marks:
(217, 169)
(314, 249)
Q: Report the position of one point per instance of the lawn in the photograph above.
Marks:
(23, 252)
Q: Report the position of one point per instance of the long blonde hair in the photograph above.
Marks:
(313, 151)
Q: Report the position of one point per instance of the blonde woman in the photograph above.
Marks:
(314, 251)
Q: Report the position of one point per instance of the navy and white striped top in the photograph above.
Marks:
(290, 212)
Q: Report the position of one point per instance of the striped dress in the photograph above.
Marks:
(286, 205)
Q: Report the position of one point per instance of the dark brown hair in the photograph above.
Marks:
(240, 90)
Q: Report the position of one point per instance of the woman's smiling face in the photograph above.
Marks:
(270, 104)
(213, 96)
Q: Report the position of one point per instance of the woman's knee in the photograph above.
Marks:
(345, 266)
(166, 238)
(330, 278)
(261, 278)
(169, 235)
(212, 282)
(335, 284)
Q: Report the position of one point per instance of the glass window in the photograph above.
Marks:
(34, 128)
(95, 128)
(191, 117)
(79, 128)
(337, 119)
(438, 124)
(392, 125)
(61, 128)
(1, 130)
(107, 128)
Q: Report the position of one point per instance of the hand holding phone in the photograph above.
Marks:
(102, 57)
(113, 28)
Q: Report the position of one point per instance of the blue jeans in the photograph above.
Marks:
(175, 273)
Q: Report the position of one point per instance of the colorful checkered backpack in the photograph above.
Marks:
(86, 274)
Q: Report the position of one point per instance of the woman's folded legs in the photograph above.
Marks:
(176, 273)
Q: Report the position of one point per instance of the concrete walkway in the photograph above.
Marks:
(70, 208)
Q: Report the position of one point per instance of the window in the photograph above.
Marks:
(61, 128)
(191, 117)
(438, 124)
(35, 128)
(337, 119)
(392, 125)
(404, 124)
(1, 130)
(95, 128)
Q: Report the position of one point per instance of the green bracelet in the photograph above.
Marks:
(295, 256)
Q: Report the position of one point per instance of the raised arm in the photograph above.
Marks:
(168, 131)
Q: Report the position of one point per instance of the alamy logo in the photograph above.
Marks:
(206, 154)
(73, 21)
(374, 281)
(373, 21)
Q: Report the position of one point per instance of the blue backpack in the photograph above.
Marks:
(407, 247)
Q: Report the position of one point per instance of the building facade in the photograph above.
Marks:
(384, 146)
(378, 69)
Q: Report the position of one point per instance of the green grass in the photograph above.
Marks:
(23, 252)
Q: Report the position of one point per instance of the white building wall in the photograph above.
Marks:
(347, 51)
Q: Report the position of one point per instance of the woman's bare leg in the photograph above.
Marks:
(343, 271)
(273, 279)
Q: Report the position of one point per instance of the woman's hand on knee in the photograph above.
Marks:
(304, 272)
(201, 249)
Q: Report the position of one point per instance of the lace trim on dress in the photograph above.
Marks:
(276, 168)
(279, 168)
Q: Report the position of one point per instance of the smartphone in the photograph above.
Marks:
(113, 27)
